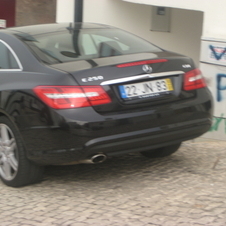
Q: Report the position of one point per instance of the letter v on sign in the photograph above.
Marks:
(218, 56)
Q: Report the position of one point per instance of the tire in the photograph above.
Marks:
(161, 152)
(15, 169)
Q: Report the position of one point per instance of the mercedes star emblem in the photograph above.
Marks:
(146, 68)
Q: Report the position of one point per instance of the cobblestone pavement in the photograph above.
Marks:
(187, 188)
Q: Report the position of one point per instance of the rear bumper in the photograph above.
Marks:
(147, 139)
(69, 151)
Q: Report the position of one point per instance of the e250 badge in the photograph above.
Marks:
(93, 78)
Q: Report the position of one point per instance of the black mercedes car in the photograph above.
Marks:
(81, 93)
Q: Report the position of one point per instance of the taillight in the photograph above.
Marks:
(194, 80)
(62, 97)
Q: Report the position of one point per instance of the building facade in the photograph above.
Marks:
(27, 12)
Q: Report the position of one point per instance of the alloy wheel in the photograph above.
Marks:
(8, 153)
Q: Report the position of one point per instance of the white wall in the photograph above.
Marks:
(65, 11)
(215, 17)
(186, 25)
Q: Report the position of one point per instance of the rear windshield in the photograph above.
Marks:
(86, 44)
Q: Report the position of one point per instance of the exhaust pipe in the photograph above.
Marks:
(98, 158)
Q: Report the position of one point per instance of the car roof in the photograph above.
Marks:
(55, 27)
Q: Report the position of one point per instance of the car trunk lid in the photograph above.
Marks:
(134, 81)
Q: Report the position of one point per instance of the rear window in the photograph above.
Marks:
(86, 44)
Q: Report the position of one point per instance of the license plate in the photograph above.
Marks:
(146, 89)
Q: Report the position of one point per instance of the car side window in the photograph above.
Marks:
(7, 60)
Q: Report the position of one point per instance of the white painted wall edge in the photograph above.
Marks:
(198, 5)
(212, 39)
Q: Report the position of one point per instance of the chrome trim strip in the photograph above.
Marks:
(137, 77)
(10, 70)
(15, 56)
